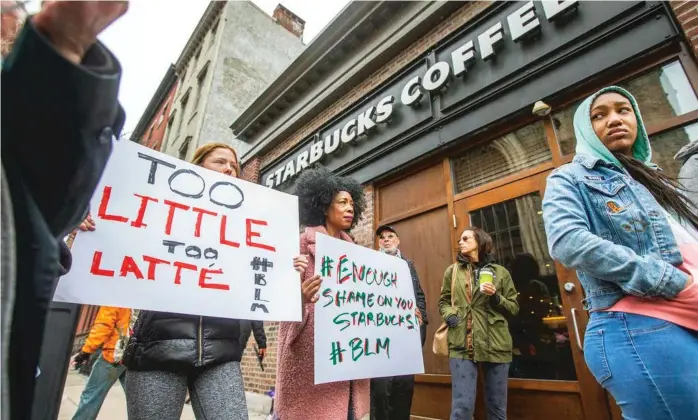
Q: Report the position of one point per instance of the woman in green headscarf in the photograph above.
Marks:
(632, 236)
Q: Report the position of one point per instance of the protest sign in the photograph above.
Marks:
(171, 236)
(365, 322)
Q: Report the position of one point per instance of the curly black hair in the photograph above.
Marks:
(316, 189)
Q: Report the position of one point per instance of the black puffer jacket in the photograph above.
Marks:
(181, 343)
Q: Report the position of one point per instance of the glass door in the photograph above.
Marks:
(542, 346)
(548, 372)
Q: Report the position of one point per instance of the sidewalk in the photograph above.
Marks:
(114, 407)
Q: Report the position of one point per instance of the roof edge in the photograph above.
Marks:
(158, 97)
(214, 7)
(323, 42)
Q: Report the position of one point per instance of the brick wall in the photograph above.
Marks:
(250, 170)
(687, 14)
(289, 20)
(363, 232)
(445, 28)
(257, 380)
(154, 134)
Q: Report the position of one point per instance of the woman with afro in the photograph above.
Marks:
(329, 205)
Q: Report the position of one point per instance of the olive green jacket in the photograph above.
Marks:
(491, 338)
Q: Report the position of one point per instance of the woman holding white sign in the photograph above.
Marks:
(329, 205)
(476, 298)
(170, 354)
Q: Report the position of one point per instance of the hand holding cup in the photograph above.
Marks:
(486, 278)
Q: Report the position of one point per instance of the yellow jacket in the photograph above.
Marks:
(104, 331)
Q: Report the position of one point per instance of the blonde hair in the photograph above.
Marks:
(203, 151)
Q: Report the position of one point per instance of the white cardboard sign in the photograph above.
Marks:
(365, 323)
(175, 237)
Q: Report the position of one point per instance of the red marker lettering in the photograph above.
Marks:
(130, 266)
(199, 218)
(224, 222)
(170, 215)
(250, 234)
(204, 275)
(152, 263)
(95, 268)
(138, 223)
(104, 203)
(180, 266)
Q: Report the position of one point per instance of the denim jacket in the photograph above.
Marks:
(609, 228)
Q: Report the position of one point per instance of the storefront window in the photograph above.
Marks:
(564, 128)
(542, 347)
(661, 95)
(520, 149)
(666, 144)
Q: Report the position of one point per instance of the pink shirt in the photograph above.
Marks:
(683, 309)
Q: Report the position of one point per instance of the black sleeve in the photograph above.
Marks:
(418, 292)
(259, 336)
(57, 124)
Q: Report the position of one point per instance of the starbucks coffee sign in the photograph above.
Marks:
(408, 95)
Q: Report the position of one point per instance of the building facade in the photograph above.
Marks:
(235, 51)
(429, 105)
(152, 127)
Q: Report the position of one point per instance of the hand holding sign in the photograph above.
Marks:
(88, 224)
(179, 238)
(419, 316)
(300, 263)
(366, 321)
(310, 289)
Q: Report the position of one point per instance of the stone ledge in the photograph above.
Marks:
(258, 403)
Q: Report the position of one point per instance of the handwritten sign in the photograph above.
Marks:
(175, 237)
(365, 323)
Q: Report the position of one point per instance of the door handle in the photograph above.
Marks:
(576, 330)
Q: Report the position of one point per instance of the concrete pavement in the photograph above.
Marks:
(114, 407)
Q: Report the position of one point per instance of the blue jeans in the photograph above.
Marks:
(102, 377)
(650, 366)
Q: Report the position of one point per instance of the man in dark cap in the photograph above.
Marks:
(391, 398)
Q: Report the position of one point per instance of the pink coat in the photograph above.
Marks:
(297, 397)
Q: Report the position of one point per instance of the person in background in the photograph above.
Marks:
(688, 175)
(247, 327)
(632, 236)
(174, 353)
(58, 74)
(478, 331)
(391, 397)
(111, 324)
(329, 205)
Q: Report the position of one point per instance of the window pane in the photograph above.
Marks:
(666, 145)
(661, 94)
(504, 156)
(475, 219)
(564, 128)
(489, 219)
(542, 347)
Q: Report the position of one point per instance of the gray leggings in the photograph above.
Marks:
(464, 387)
(217, 393)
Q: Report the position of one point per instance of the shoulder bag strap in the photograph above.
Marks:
(469, 284)
(454, 272)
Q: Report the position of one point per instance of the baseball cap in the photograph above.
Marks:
(383, 228)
